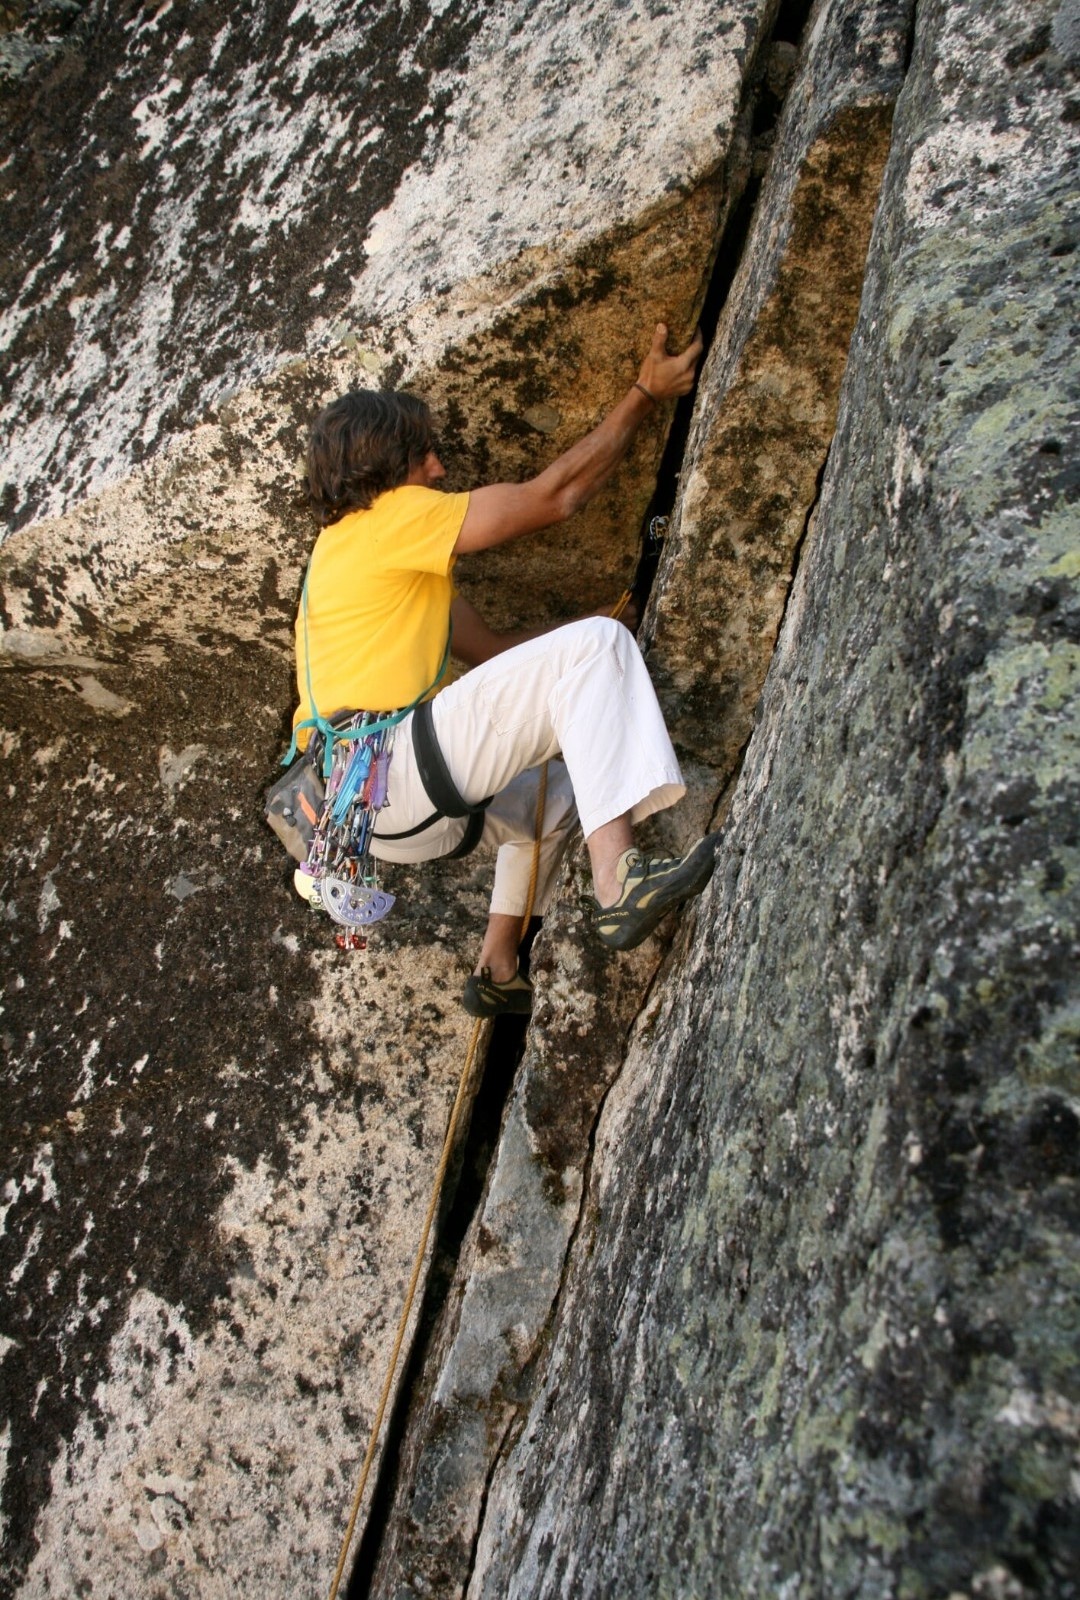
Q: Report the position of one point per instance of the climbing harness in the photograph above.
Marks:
(441, 789)
(324, 808)
(337, 872)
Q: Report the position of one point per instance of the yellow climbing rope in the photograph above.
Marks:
(444, 1161)
(622, 602)
(440, 1176)
(433, 1204)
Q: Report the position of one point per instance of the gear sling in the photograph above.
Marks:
(326, 821)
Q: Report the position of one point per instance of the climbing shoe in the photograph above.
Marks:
(483, 997)
(649, 889)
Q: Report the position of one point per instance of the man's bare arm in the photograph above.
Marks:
(472, 641)
(505, 511)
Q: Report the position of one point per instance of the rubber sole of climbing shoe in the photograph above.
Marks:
(483, 997)
(651, 890)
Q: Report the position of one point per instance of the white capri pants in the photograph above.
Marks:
(582, 690)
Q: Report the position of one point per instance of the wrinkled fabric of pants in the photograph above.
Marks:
(581, 692)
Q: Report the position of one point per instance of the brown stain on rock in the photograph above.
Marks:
(750, 487)
(205, 519)
(574, 345)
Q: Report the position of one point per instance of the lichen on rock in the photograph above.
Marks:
(835, 1351)
(772, 1287)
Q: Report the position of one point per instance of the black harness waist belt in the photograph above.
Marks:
(441, 789)
(434, 773)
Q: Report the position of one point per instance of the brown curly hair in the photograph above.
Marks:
(362, 444)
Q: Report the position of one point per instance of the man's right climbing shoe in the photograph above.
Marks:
(483, 997)
(650, 888)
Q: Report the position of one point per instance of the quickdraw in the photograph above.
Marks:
(339, 876)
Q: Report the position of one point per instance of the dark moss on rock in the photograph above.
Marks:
(164, 249)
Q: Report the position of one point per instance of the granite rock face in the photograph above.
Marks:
(828, 157)
(478, 1368)
(219, 1133)
(192, 194)
(828, 1345)
(773, 1288)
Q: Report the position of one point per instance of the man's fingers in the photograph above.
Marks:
(690, 358)
(664, 375)
(692, 354)
(659, 348)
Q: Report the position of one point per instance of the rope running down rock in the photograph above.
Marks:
(425, 1232)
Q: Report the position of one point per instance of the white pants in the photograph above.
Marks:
(582, 690)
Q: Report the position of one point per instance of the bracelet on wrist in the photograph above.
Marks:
(646, 393)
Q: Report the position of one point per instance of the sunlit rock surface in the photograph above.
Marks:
(825, 1344)
(226, 218)
(773, 1288)
(810, 235)
(219, 1134)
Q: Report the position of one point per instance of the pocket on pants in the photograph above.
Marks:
(509, 705)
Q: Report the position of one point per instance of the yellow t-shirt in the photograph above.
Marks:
(378, 604)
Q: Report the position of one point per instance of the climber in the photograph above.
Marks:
(372, 633)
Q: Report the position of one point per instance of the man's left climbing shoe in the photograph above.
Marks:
(651, 888)
(483, 997)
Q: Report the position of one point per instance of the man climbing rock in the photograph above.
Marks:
(372, 633)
